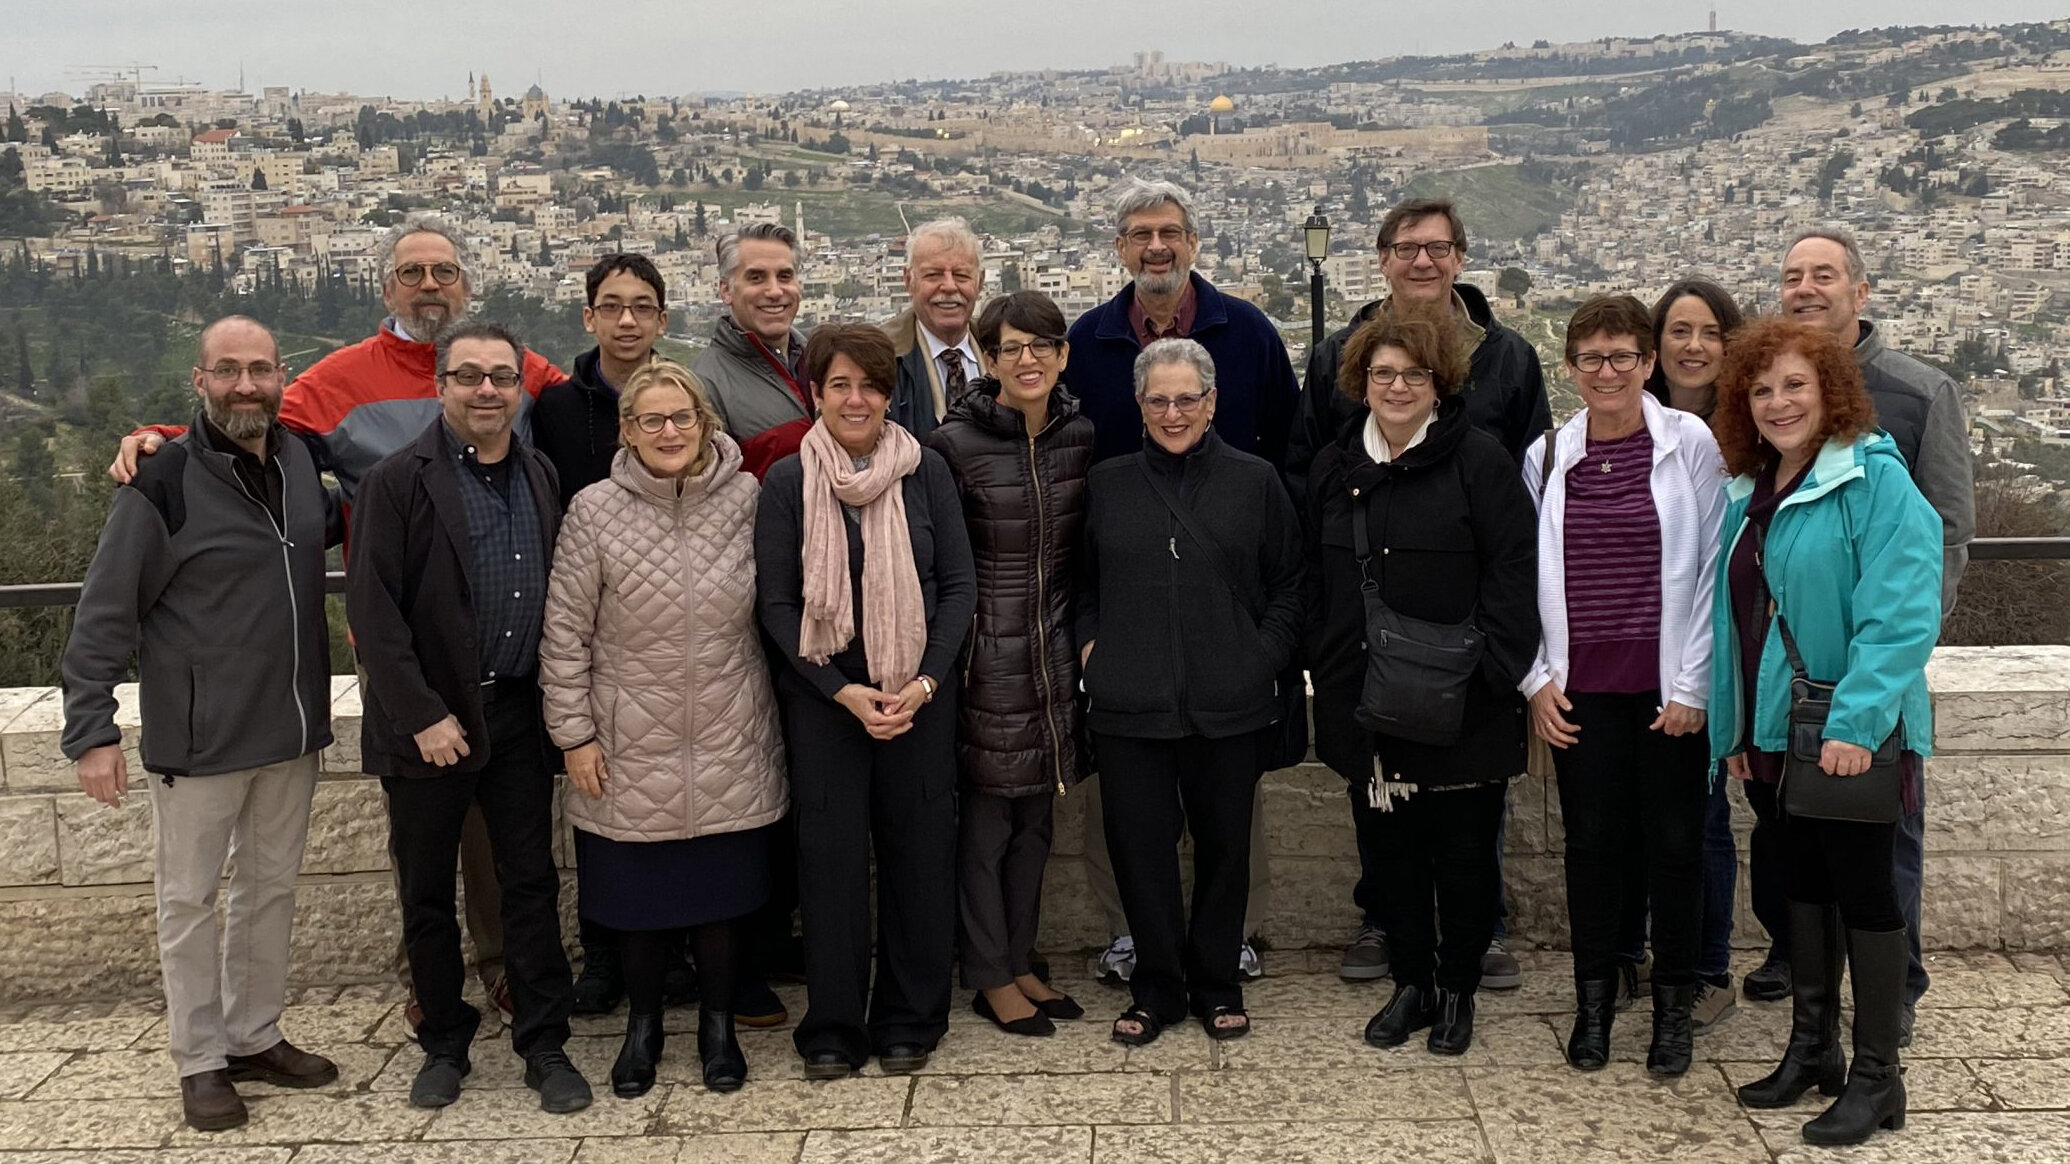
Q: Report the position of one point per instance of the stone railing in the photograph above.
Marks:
(76, 913)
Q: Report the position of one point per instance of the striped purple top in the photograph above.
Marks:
(1613, 569)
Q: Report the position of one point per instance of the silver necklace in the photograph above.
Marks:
(1614, 449)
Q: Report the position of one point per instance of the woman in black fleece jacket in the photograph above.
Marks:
(1184, 639)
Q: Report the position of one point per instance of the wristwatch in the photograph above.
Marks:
(929, 686)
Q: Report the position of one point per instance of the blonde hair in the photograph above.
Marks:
(658, 373)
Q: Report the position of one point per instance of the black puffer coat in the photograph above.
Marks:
(1024, 503)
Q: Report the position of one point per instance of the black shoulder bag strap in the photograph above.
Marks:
(1217, 561)
(1767, 601)
(1545, 464)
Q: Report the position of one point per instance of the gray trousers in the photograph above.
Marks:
(1099, 867)
(227, 1001)
(1002, 849)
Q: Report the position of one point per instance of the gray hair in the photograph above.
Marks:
(953, 232)
(729, 245)
(480, 329)
(422, 223)
(1175, 351)
(1138, 195)
(1857, 269)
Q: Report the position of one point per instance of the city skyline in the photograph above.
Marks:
(519, 42)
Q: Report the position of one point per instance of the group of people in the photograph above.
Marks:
(821, 627)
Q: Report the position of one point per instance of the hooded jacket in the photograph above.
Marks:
(1024, 504)
(1853, 562)
(763, 411)
(650, 650)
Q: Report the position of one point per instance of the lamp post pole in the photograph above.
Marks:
(1316, 232)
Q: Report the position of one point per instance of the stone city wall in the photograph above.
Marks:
(76, 912)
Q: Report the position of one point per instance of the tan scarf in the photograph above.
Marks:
(894, 615)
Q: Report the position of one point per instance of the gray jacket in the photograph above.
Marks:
(223, 609)
(749, 394)
(1919, 407)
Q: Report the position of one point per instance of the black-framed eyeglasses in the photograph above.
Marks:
(1010, 351)
(1592, 362)
(1406, 251)
(1185, 405)
(1143, 236)
(643, 311)
(412, 274)
(473, 377)
(653, 422)
(228, 373)
(1384, 377)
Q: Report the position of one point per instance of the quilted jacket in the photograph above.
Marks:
(650, 649)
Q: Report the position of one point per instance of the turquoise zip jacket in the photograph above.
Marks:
(1854, 563)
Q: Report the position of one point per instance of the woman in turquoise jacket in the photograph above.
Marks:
(1852, 562)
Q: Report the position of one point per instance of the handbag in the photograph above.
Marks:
(1286, 744)
(1875, 796)
(1417, 671)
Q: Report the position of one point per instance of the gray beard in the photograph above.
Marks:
(242, 426)
(1169, 283)
(426, 328)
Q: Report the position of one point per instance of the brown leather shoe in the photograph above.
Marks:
(499, 996)
(413, 1017)
(284, 1065)
(210, 1103)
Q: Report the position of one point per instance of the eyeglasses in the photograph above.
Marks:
(1185, 405)
(1384, 377)
(644, 312)
(653, 422)
(1592, 362)
(1406, 251)
(1143, 236)
(1010, 351)
(473, 377)
(227, 374)
(444, 274)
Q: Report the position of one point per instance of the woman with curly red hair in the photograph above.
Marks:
(1831, 573)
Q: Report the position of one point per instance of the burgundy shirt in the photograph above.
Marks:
(1750, 611)
(1182, 322)
(1612, 557)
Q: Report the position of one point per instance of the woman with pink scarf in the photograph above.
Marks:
(867, 588)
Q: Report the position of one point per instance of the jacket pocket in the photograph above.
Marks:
(200, 730)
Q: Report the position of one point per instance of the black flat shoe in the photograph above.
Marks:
(1036, 1025)
(1411, 1008)
(718, 1051)
(632, 1076)
(1062, 1008)
(903, 1058)
(827, 1065)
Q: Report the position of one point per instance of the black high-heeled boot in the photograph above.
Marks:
(633, 1074)
(725, 1066)
(1813, 1057)
(1674, 1030)
(1595, 1008)
(1875, 1093)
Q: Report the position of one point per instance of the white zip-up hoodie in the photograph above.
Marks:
(1688, 484)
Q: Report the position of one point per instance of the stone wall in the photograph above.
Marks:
(76, 912)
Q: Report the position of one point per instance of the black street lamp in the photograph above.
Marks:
(1317, 230)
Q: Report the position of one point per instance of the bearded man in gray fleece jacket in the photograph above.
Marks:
(1825, 282)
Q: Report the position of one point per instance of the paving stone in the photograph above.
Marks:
(1322, 1096)
(2005, 1033)
(1619, 1113)
(76, 947)
(1317, 1044)
(1930, 1085)
(1424, 1141)
(497, 1068)
(782, 1105)
(1973, 988)
(28, 839)
(1042, 1145)
(1932, 1138)
(98, 845)
(497, 1114)
(100, 1034)
(22, 1071)
(299, 1119)
(108, 1123)
(348, 828)
(261, 1155)
(983, 1100)
(150, 1074)
(2026, 1084)
(514, 1151)
(738, 1148)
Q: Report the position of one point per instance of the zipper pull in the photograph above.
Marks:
(1061, 791)
(1173, 543)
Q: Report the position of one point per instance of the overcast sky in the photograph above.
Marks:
(592, 48)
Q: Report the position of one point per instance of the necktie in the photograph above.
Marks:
(953, 380)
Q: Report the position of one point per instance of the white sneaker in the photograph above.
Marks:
(1118, 962)
(1247, 962)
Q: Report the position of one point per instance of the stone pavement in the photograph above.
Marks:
(1989, 1080)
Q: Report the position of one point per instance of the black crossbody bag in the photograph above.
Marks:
(1873, 797)
(1287, 744)
(1417, 672)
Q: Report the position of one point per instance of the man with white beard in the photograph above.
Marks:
(937, 358)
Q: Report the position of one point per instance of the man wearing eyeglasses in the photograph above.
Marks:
(452, 543)
(210, 568)
(575, 422)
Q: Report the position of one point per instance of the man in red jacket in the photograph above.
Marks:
(363, 402)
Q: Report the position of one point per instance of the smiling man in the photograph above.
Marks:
(575, 423)
(753, 365)
(937, 359)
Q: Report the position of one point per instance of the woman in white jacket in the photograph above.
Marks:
(1628, 518)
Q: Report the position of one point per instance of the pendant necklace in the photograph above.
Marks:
(1612, 450)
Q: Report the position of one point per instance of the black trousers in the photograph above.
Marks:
(853, 795)
(1768, 859)
(1632, 795)
(1151, 791)
(1002, 850)
(1846, 863)
(1435, 859)
(515, 792)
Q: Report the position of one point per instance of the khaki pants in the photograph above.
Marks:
(1099, 867)
(224, 1004)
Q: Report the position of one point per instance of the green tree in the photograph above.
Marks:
(258, 179)
(1514, 282)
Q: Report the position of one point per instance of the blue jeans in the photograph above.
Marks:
(1909, 874)
(1720, 876)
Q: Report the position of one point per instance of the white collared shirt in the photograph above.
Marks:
(1376, 445)
(935, 347)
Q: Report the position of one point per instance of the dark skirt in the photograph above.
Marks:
(667, 885)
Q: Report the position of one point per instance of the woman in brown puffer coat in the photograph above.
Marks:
(657, 692)
(1019, 449)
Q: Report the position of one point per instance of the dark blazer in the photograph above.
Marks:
(411, 605)
(1454, 537)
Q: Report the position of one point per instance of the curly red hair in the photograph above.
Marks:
(1752, 350)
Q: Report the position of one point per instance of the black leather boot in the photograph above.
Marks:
(1595, 1008)
(1674, 1030)
(1813, 1057)
(1452, 1033)
(725, 1067)
(1875, 1094)
(1412, 1008)
(633, 1074)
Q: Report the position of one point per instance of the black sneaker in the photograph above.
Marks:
(561, 1088)
(438, 1081)
(1770, 982)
